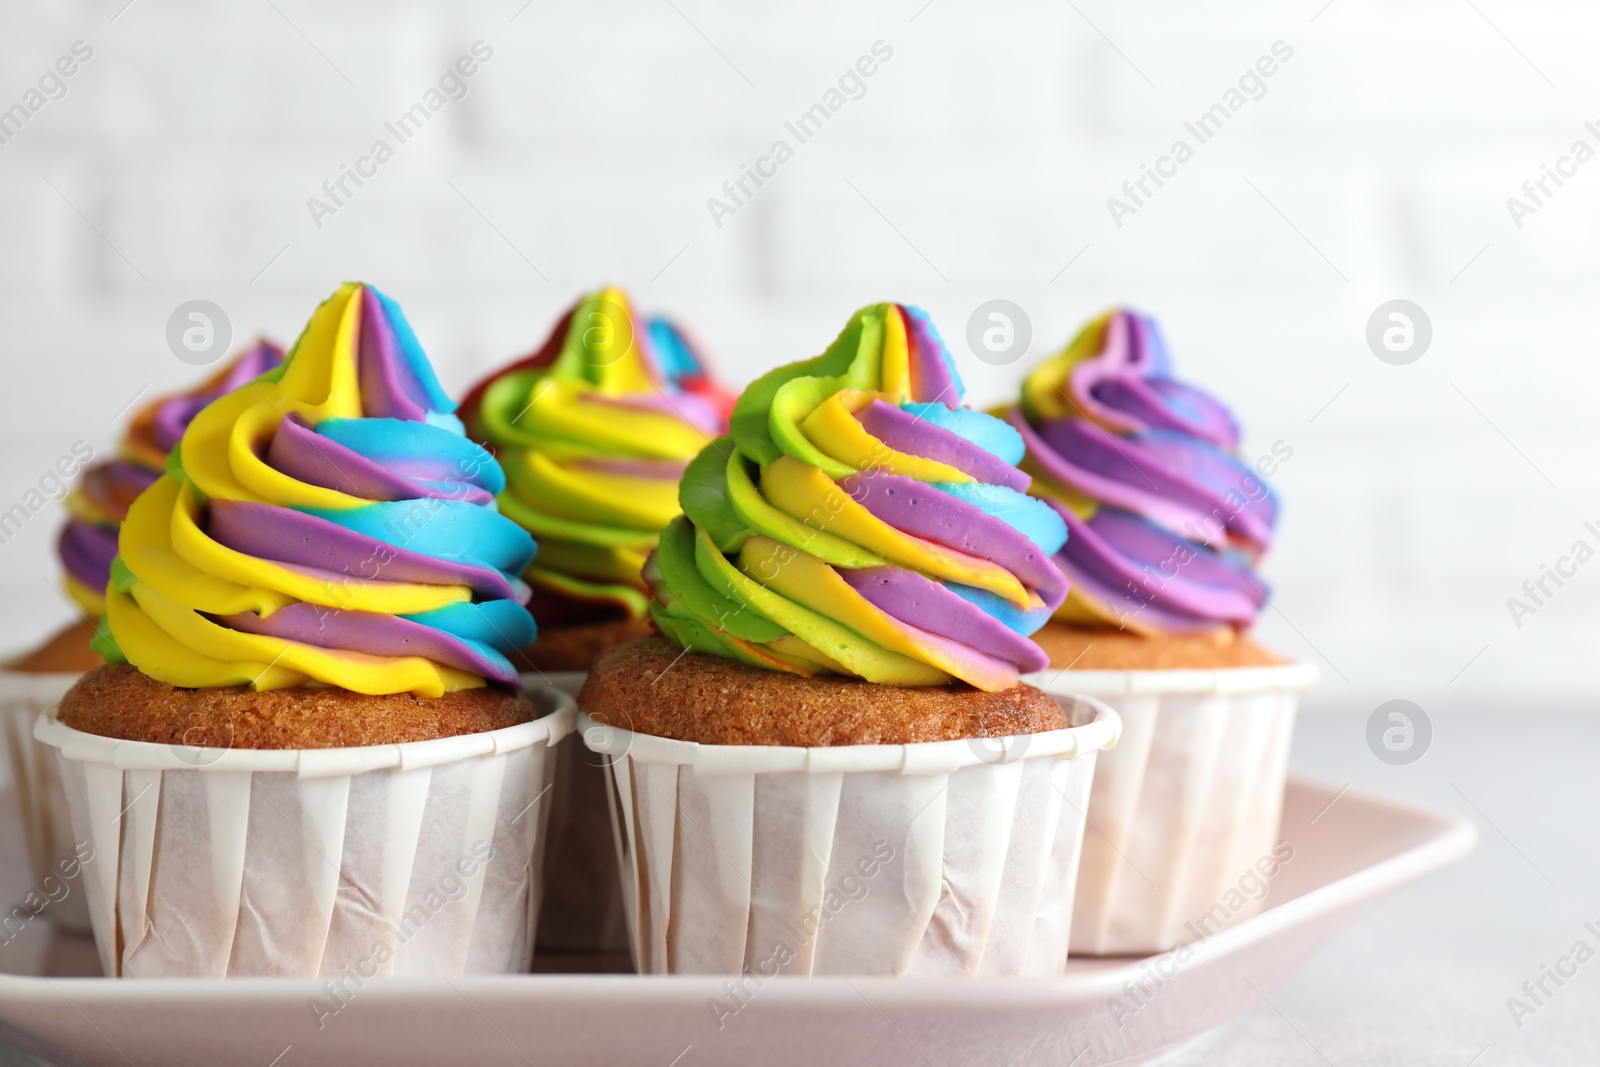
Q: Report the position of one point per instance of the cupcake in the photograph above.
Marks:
(827, 764)
(1166, 527)
(35, 680)
(99, 502)
(593, 431)
(308, 754)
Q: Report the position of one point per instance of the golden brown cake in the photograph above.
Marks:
(118, 701)
(652, 686)
(574, 648)
(1119, 650)
(66, 652)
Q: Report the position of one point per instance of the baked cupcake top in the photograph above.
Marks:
(1166, 522)
(99, 501)
(594, 431)
(859, 520)
(328, 523)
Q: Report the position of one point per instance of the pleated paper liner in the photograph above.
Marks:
(417, 859)
(1184, 814)
(950, 857)
(54, 856)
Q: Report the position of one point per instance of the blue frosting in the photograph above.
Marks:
(1034, 519)
(995, 436)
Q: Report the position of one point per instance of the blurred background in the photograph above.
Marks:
(180, 159)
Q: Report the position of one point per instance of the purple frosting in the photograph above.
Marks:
(923, 603)
(86, 551)
(905, 432)
(1128, 473)
(1155, 581)
(1168, 405)
(923, 511)
(1128, 386)
(305, 455)
(173, 415)
(388, 384)
(367, 632)
(130, 474)
(935, 378)
(305, 541)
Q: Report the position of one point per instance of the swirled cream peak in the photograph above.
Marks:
(1166, 521)
(594, 431)
(859, 520)
(328, 523)
(99, 501)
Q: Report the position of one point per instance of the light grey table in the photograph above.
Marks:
(1426, 978)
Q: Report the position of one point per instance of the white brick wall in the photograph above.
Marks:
(990, 141)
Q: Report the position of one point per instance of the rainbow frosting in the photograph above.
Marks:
(99, 502)
(859, 520)
(594, 431)
(328, 523)
(1166, 522)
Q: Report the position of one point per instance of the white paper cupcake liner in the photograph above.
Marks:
(950, 857)
(41, 803)
(583, 911)
(1185, 811)
(417, 859)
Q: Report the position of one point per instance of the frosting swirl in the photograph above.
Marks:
(858, 520)
(1166, 522)
(99, 501)
(594, 431)
(328, 523)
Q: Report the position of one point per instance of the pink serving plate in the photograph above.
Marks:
(1351, 849)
